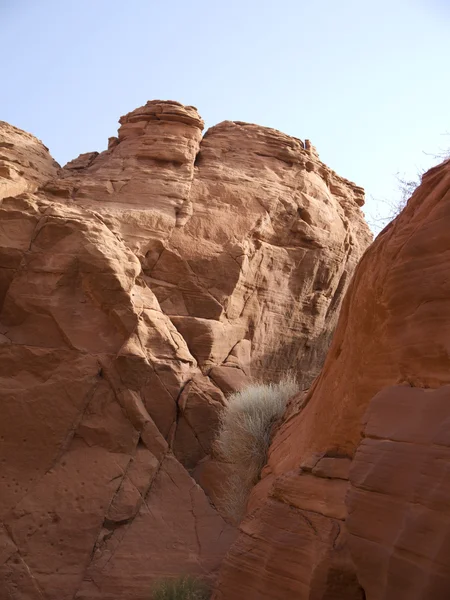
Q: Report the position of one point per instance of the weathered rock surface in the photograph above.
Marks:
(138, 287)
(394, 328)
(25, 163)
(242, 235)
(401, 477)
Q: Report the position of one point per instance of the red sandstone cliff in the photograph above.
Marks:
(324, 522)
(138, 286)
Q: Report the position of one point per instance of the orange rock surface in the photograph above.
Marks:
(139, 286)
(400, 477)
(394, 328)
(25, 163)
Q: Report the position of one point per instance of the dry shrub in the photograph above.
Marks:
(185, 587)
(244, 437)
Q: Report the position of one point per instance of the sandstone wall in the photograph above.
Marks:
(398, 508)
(138, 286)
(394, 329)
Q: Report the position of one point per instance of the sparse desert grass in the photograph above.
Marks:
(184, 587)
(244, 437)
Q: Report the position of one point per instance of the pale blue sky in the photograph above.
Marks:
(367, 81)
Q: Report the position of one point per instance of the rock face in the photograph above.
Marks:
(25, 163)
(308, 535)
(400, 477)
(139, 286)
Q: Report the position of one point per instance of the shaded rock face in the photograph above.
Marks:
(139, 286)
(385, 534)
(400, 477)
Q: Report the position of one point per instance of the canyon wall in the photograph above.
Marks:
(138, 287)
(353, 502)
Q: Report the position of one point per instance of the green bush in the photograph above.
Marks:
(244, 437)
(185, 587)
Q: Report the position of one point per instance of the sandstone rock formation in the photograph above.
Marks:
(139, 286)
(25, 163)
(394, 329)
(400, 477)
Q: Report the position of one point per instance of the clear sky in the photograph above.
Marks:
(367, 81)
